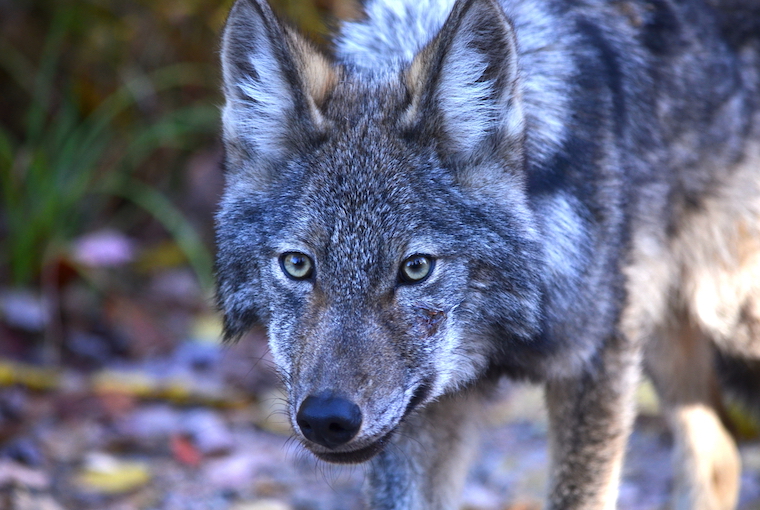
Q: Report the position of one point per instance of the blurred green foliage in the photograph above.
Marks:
(103, 102)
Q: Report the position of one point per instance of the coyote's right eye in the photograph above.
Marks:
(416, 268)
(298, 266)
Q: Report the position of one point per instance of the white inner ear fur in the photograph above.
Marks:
(472, 107)
(257, 106)
(466, 103)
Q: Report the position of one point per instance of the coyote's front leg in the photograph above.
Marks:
(680, 361)
(590, 419)
(425, 466)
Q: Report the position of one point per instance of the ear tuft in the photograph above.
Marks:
(318, 75)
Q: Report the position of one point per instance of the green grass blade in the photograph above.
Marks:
(183, 233)
(45, 78)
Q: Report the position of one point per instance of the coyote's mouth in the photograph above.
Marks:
(355, 456)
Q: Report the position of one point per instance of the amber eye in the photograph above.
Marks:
(416, 268)
(298, 266)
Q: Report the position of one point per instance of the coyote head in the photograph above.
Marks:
(375, 220)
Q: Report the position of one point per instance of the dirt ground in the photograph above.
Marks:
(105, 442)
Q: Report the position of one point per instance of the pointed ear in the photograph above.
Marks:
(275, 84)
(464, 84)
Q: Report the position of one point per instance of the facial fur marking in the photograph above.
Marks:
(431, 319)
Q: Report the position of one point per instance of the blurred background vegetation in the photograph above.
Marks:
(103, 103)
(109, 151)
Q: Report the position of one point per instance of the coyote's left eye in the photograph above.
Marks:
(416, 268)
(297, 265)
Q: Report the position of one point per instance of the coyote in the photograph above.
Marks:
(560, 191)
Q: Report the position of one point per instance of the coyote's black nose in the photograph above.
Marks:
(329, 420)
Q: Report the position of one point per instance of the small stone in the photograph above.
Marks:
(23, 309)
(13, 473)
(23, 499)
(210, 434)
(750, 453)
(262, 504)
(478, 497)
(524, 505)
(152, 422)
(24, 450)
(230, 472)
(268, 487)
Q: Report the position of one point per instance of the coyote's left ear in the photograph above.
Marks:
(464, 85)
(275, 84)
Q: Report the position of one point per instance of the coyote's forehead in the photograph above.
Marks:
(360, 209)
(364, 173)
(365, 98)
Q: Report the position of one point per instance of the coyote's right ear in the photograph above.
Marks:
(275, 83)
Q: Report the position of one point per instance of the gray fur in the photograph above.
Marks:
(585, 176)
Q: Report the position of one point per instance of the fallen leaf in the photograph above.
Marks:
(104, 248)
(108, 475)
(184, 450)
(30, 376)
